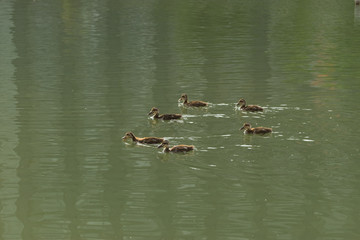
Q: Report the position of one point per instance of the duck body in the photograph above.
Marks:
(155, 112)
(167, 116)
(256, 130)
(250, 108)
(184, 99)
(177, 148)
(144, 140)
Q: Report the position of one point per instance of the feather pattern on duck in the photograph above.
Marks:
(155, 112)
(256, 130)
(145, 140)
(250, 108)
(177, 148)
(184, 99)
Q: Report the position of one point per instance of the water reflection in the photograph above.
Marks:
(357, 15)
(77, 79)
(10, 224)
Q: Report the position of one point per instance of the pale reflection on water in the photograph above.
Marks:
(74, 81)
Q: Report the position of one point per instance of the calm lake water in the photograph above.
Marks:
(77, 75)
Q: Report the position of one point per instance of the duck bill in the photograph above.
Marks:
(242, 128)
(180, 99)
(160, 146)
(150, 113)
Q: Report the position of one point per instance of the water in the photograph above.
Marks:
(75, 76)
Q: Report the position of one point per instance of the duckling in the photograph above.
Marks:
(145, 140)
(251, 108)
(257, 130)
(155, 111)
(177, 148)
(184, 98)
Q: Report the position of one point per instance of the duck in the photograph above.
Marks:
(177, 148)
(257, 130)
(251, 108)
(155, 112)
(184, 99)
(145, 140)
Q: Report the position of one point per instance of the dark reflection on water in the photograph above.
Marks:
(78, 75)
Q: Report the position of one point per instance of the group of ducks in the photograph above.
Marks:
(186, 148)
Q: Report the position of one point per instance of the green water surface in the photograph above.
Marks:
(76, 75)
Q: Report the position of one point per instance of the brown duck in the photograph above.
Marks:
(145, 140)
(251, 108)
(184, 99)
(177, 148)
(257, 130)
(155, 112)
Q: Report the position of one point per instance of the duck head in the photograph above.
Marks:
(183, 98)
(246, 126)
(165, 143)
(128, 135)
(153, 111)
(241, 102)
